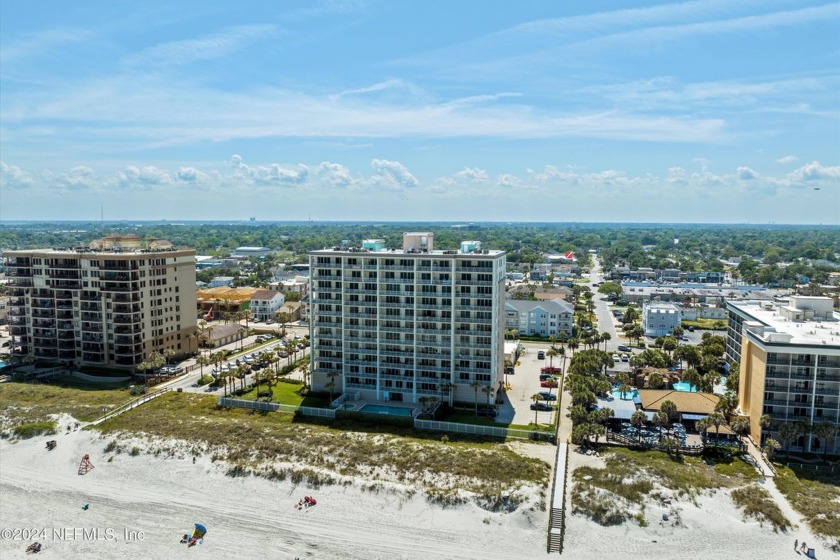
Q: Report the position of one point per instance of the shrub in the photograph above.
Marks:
(757, 503)
(26, 431)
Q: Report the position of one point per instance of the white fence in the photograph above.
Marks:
(432, 425)
(277, 407)
(479, 430)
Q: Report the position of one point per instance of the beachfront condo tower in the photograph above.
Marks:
(401, 324)
(789, 352)
(111, 304)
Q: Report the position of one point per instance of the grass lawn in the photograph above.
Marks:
(487, 468)
(27, 403)
(816, 497)
(463, 417)
(286, 392)
(707, 324)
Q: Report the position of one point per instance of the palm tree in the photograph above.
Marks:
(638, 419)
(788, 432)
(202, 361)
(826, 431)
(476, 386)
(168, 354)
(716, 419)
(727, 404)
(702, 425)
(536, 398)
(551, 353)
(331, 383)
(446, 388)
(670, 409)
(661, 419)
(605, 337)
(740, 426)
(306, 372)
(488, 392)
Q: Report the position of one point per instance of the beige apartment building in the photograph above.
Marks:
(397, 325)
(110, 305)
(789, 353)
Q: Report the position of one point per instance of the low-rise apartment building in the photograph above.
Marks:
(540, 318)
(265, 303)
(660, 318)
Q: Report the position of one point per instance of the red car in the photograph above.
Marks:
(548, 383)
(551, 369)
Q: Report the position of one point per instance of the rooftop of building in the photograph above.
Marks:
(410, 253)
(267, 295)
(824, 331)
(225, 293)
(692, 403)
(551, 306)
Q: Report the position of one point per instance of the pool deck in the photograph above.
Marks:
(356, 406)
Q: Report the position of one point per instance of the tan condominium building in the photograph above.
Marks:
(401, 324)
(109, 305)
(789, 353)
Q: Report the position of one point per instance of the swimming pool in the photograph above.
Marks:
(2, 364)
(630, 395)
(685, 387)
(385, 409)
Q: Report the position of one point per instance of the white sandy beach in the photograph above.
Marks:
(251, 517)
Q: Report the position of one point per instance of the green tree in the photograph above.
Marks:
(488, 393)
(638, 419)
(476, 385)
(826, 431)
(716, 419)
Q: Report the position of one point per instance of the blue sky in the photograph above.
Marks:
(701, 111)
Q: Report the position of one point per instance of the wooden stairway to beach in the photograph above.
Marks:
(556, 516)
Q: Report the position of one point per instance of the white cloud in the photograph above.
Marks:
(787, 159)
(14, 177)
(473, 174)
(745, 173)
(334, 174)
(509, 180)
(392, 174)
(815, 171)
(79, 177)
(272, 174)
(190, 175)
(207, 47)
(146, 176)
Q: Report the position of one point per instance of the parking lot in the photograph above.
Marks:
(526, 382)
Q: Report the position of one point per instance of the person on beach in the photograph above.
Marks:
(796, 545)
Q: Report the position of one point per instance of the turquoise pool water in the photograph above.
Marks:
(385, 409)
(685, 386)
(626, 396)
(2, 364)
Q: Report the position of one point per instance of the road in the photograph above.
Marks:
(188, 381)
(606, 321)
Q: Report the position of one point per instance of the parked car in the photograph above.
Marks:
(546, 376)
(690, 329)
(624, 348)
(625, 358)
(546, 396)
(509, 370)
(541, 406)
(541, 355)
(616, 358)
(551, 369)
(548, 383)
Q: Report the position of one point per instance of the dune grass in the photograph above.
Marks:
(248, 440)
(757, 503)
(631, 477)
(25, 431)
(816, 497)
(26, 403)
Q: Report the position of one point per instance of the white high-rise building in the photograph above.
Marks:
(110, 306)
(396, 325)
